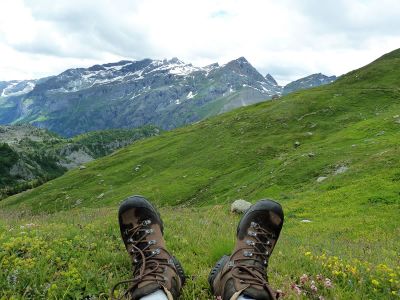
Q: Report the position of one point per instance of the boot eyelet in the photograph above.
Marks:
(253, 224)
(250, 243)
(130, 240)
(152, 242)
(148, 231)
(156, 251)
(247, 253)
(146, 222)
(252, 233)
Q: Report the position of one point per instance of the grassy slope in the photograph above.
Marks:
(43, 151)
(248, 153)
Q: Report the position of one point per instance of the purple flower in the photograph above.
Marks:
(303, 278)
(328, 283)
(313, 288)
(296, 288)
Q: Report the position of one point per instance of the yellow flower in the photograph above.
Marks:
(375, 282)
(308, 253)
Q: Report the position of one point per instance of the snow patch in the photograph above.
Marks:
(191, 95)
(8, 91)
(117, 68)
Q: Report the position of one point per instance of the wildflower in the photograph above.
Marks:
(375, 282)
(303, 278)
(320, 277)
(321, 298)
(313, 287)
(308, 253)
(296, 288)
(328, 283)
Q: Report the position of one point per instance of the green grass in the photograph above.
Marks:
(42, 151)
(349, 132)
(79, 253)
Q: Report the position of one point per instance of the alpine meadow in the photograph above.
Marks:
(330, 155)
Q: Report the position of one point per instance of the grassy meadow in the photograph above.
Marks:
(329, 155)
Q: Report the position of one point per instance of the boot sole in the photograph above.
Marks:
(179, 269)
(214, 272)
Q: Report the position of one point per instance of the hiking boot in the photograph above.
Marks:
(154, 268)
(244, 272)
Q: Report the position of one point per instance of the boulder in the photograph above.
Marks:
(240, 206)
(341, 170)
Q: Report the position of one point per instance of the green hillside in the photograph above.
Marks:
(30, 156)
(330, 155)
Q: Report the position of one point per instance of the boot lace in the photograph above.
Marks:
(258, 251)
(147, 266)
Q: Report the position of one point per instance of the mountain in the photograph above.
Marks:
(16, 87)
(330, 155)
(31, 156)
(271, 80)
(310, 81)
(127, 94)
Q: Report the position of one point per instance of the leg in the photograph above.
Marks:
(243, 274)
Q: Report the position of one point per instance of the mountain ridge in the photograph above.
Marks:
(126, 94)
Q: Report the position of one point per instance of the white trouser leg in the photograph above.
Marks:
(157, 295)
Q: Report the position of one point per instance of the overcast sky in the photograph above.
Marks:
(286, 38)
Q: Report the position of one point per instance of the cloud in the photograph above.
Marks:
(286, 38)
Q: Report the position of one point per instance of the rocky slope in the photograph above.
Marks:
(127, 94)
(166, 93)
(310, 81)
(31, 156)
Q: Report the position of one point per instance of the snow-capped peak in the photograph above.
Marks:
(18, 88)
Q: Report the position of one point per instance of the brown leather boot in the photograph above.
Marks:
(244, 272)
(154, 267)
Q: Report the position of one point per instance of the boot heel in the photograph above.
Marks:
(218, 267)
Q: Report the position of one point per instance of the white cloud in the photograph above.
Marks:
(287, 38)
